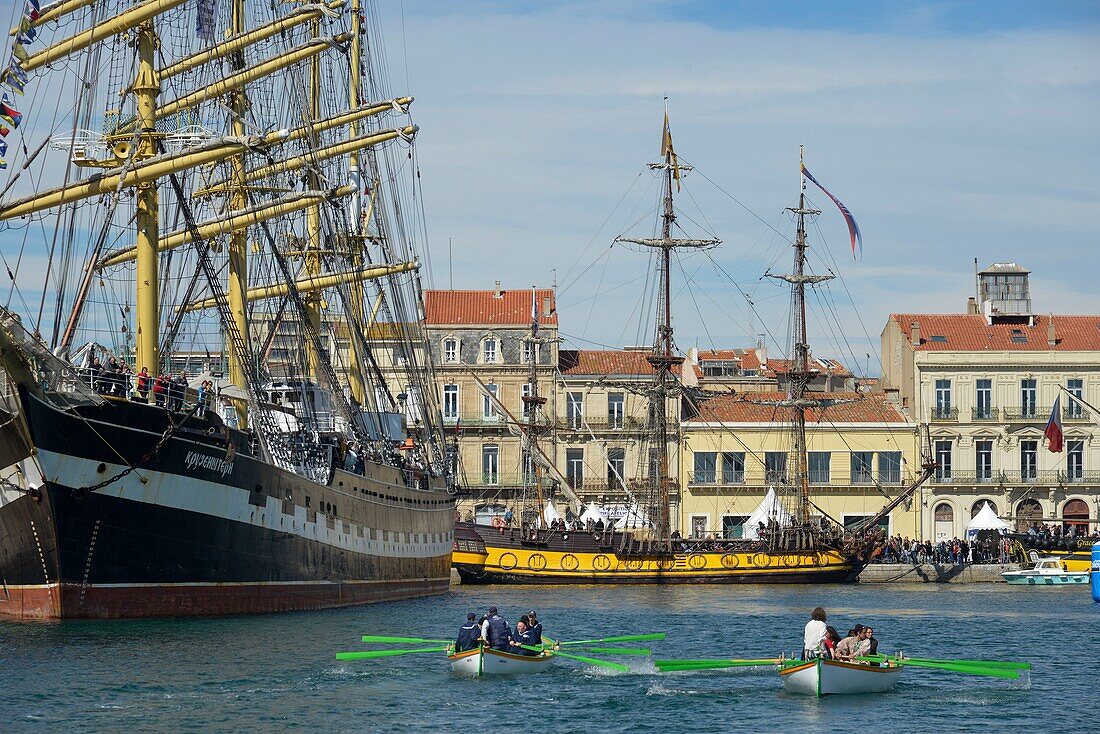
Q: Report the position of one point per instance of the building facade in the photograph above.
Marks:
(481, 342)
(861, 453)
(986, 382)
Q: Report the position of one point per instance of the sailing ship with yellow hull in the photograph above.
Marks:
(803, 549)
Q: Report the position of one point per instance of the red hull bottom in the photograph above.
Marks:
(73, 601)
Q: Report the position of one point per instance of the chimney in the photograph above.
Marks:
(546, 305)
(914, 333)
(500, 293)
(762, 355)
(1052, 340)
(971, 306)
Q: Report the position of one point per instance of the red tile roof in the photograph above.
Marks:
(749, 408)
(829, 366)
(971, 333)
(603, 362)
(512, 308)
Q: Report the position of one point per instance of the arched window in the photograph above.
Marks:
(944, 522)
(1028, 512)
(1075, 514)
(979, 505)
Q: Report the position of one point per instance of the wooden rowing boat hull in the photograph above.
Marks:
(831, 677)
(486, 661)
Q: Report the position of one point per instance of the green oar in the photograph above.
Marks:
(402, 640)
(619, 638)
(368, 654)
(956, 668)
(619, 650)
(673, 666)
(591, 661)
(1006, 664)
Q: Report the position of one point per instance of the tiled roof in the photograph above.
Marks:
(603, 362)
(749, 408)
(971, 333)
(512, 308)
(830, 366)
(746, 357)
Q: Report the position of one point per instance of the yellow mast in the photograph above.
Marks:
(237, 286)
(312, 260)
(146, 90)
(358, 227)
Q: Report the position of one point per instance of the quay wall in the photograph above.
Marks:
(907, 573)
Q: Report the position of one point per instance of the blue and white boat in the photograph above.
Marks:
(1045, 572)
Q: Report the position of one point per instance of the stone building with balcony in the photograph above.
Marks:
(861, 453)
(485, 335)
(985, 382)
(605, 440)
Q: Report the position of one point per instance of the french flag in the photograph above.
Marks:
(1053, 431)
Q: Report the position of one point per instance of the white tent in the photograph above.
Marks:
(593, 513)
(550, 513)
(770, 507)
(986, 519)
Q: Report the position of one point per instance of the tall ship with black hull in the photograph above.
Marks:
(197, 417)
(793, 546)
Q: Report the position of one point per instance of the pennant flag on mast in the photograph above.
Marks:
(1053, 431)
(8, 113)
(853, 228)
(669, 153)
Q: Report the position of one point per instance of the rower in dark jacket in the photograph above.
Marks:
(469, 634)
(535, 627)
(521, 637)
(496, 631)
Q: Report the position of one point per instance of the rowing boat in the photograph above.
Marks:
(822, 677)
(487, 661)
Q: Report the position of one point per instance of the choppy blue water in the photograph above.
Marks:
(277, 673)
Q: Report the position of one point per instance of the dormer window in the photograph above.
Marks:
(450, 351)
(528, 351)
(489, 351)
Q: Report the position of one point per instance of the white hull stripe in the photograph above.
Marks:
(192, 494)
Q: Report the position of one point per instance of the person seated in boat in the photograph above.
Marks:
(832, 638)
(872, 643)
(496, 632)
(522, 639)
(535, 627)
(814, 635)
(469, 634)
(853, 646)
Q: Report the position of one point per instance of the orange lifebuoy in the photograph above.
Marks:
(498, 522)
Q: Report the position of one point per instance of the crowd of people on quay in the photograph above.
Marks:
(492, 631)
(957, 551)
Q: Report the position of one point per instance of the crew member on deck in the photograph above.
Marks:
(814, 635)
(523, 636)
(469, 634)
(495, 631)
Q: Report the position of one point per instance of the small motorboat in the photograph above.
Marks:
(487, 661)
(821, 677)
(1045, 572)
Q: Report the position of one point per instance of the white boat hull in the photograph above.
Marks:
(1023, 578)
(831, 677)
(486, 661)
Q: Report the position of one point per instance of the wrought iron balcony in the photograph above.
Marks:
(985, 414)
(1079, 477)
(1075, 413)
(997, 477)
(945, 414)
(1027, 414)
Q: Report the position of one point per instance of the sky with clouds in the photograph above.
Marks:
(952, 130)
